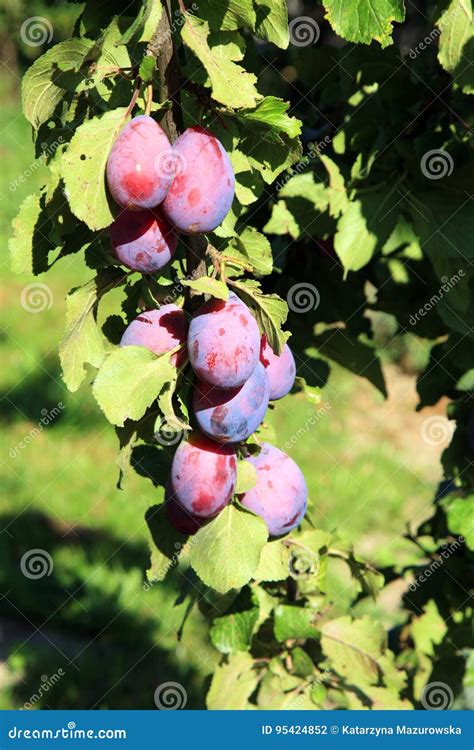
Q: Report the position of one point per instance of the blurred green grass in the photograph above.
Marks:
(60, 495)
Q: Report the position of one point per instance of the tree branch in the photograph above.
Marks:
(162, 47)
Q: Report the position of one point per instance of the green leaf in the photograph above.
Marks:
(270, 311)
(234, 632)
(147, 9)
(428, 630)
(460, 513)
(129, 380)
(282, 221)
(22, 243)
(41, 92)
(206, 285)
(272, 112)
(274, 562)
(456, 43)
(354, 647)
(253, 248)
(365, 20)
(147, 69)
(82, 342)
(354, 242)
(229, 15)
(338, 201)
(268, 155)
(83, 168)
(231, 84)
(302, 663)
(272, 22)
(225, 553)
(233, 683)
(312, 392)
(246, 477)
(294, 623)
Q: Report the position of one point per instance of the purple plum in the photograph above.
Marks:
(203, 189)
(280, 496)
(203, 475)
(159, 331)
(232, 414)
(224, 342)
(178, 517)
(134, 174)
(143, 240)
(281, 369)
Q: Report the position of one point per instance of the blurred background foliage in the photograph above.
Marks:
(94, 617)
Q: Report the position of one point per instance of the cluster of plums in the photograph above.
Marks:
(189, 188)
(164, 190)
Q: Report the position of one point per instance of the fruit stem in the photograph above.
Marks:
(149, 98)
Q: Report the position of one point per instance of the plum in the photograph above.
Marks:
(159, 331)
(232, 414)
(202, 191)
(178, 517)
(134, 177)
(203, 475)
(280, 495)
(224, 342)
(281, 369)
(143, 240)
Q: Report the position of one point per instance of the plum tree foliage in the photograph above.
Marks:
(190, 188)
